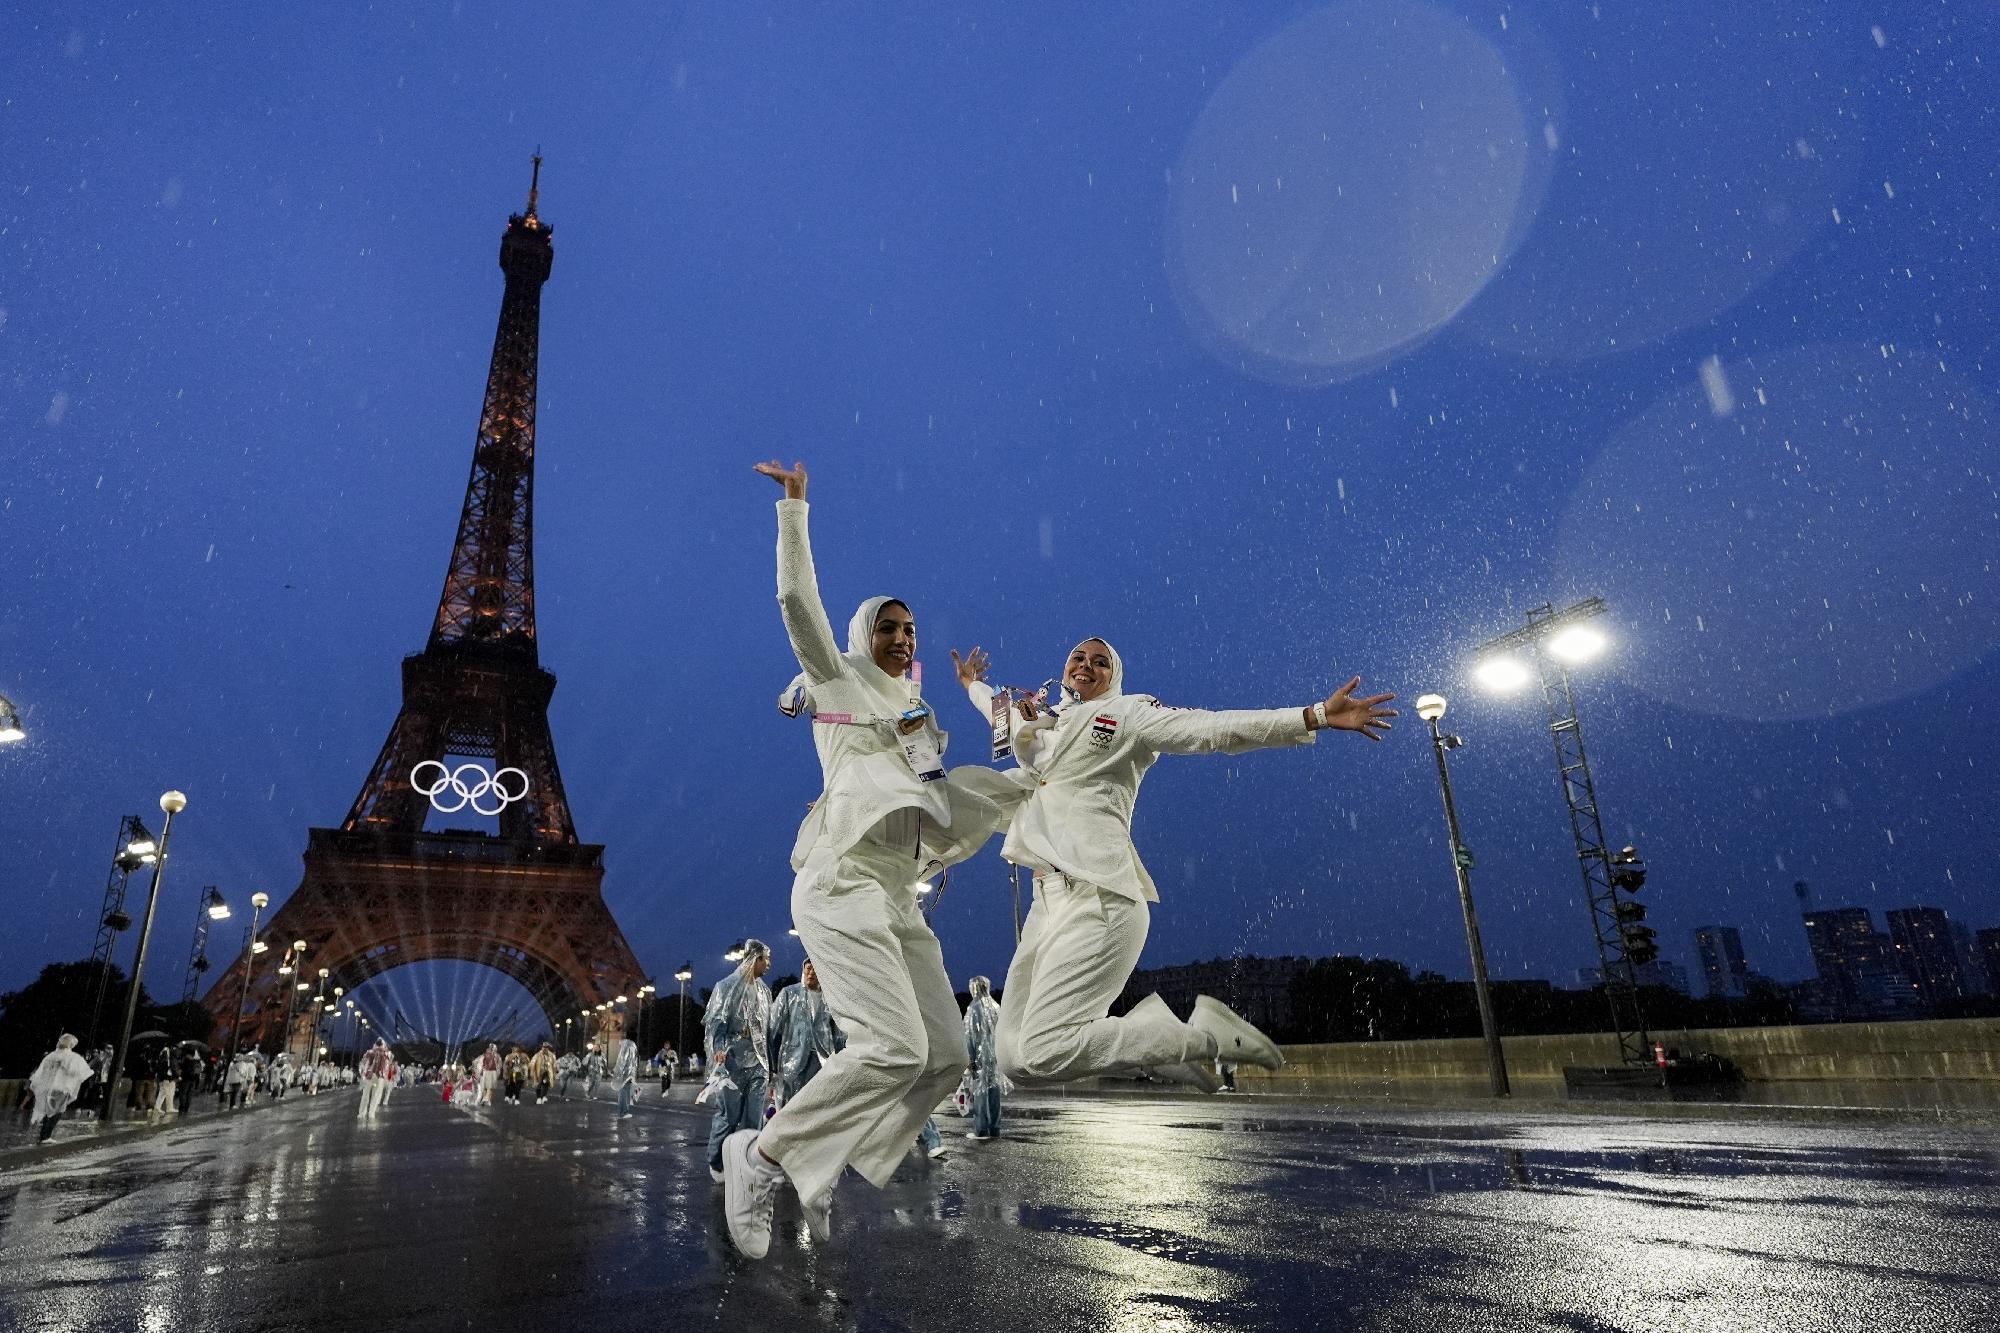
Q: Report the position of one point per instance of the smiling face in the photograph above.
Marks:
(1088, 670)
(894, 641)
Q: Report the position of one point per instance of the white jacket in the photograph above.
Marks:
(855, 706)
(1087, 767)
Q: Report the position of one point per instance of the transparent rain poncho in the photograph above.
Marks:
(982, 1028)
(736, 1025)
(802, 1035)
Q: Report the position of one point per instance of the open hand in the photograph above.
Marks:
(794, 480)
(1366, 716)
(973, 666)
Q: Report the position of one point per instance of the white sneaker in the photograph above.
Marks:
(750, 1193)
(1193, 1074)
(937, 1152)
(819, 1215)
(1235, 1040)
(715, 1175)
(979, 1138)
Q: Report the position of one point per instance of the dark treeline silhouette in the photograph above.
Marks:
(59, 1001)
(1377, 999)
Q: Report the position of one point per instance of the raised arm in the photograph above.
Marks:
(972, 668)
(798, 585)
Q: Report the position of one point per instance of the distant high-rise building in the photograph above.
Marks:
(1972, 969)
(1988, 943)
(1927, 953)
(1725, 974)
(1859, 974)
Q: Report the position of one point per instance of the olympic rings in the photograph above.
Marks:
(473, 793)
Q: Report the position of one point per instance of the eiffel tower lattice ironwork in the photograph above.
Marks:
(380, 891)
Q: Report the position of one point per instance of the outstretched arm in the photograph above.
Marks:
(798, 584)
(1196, 731)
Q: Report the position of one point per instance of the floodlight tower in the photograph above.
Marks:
(1557, 640)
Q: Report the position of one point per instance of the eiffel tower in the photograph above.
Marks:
(380, 891)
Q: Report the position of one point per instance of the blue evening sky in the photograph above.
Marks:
(1275, 343)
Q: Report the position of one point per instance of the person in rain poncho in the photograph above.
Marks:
(55, 1083)
(887, 816)
(982, 1059)
(736, 1028)
(1093, 897)
(515, 1071)
(803, 1034)
(592, 1069)
(542, 1071)
(378, 1066)
(489, 1073)
(625, 1075)
(242, 1071)
(567, 1066)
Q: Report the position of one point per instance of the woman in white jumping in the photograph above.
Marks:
(888, 816)
(1092, 897)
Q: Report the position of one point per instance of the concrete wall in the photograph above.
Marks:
(1952, 1052)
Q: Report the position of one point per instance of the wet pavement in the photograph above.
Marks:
(1089, 1213)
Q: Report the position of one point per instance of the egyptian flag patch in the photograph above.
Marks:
(1103, 731)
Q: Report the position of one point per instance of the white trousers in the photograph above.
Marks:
(374, 1093)
(1077, 951)
(163, 1095)
(884, 978)
(487, 1078)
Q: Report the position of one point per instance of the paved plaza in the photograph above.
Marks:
(1090, 1213)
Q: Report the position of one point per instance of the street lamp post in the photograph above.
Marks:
(295, 963)
(684, 976)
(1430, 708)
(251, 947)
(171, 804)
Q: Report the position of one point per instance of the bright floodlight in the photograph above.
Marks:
(218, 910)
(303, 985)
(143, 845)
(173, 802)
(1502, 673)
(1578, 643)
(1430, 707)
(923, 887)
(620, 1000)
(685, 974)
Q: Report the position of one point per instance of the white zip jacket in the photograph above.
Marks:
(865, 774)
(1088, 765)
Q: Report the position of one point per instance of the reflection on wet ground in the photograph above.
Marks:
(1088, 1213)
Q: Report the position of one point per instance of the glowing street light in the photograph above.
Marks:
(258, 902)
(171, 804)
(1577, 644)
(684, 976)
(1502, 674)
